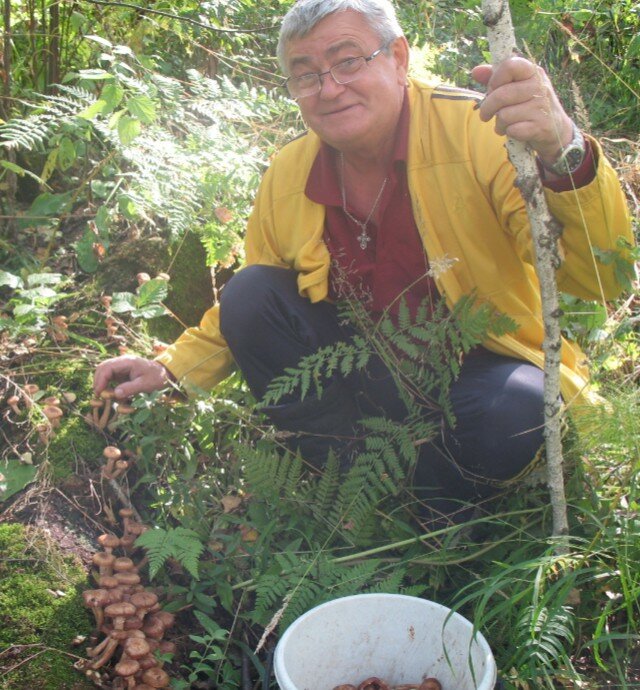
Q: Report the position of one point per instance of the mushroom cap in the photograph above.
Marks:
(136, 647)
(167, 619)
(112, 452)
(156, 678)
(121, 608)
(167, 647)
(102, 558)
(126, 512)
(125, 409)
(144, 600)
(148, 661)
(52, 412)
(96, 597)
(128, 578)
(134, 624)
(127, 667)
(108, 541)
(154, 629)
(123, 564)
(107, 394)
(13, 400)
(94, 402)
(108, 582)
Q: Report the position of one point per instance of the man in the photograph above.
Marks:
(393, 179)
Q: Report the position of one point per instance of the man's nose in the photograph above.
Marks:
(329, 87)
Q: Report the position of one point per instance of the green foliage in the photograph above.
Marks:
(31, 300)
(179, 543)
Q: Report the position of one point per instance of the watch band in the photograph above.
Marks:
(570, 157)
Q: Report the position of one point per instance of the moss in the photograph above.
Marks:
(40, 605)
(75, 442)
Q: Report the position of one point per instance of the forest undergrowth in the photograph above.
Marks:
(131, 146)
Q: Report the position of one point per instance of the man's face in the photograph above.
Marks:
(362, 114)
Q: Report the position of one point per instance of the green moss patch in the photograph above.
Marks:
(41, 612)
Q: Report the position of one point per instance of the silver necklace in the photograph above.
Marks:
(364, 237)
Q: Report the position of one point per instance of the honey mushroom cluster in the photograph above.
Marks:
(105, 410)
(129, 623)
(51, 407)
(375, 683)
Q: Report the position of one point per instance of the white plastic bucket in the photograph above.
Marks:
(397, 638)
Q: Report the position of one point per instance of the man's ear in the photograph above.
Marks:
(400, 52)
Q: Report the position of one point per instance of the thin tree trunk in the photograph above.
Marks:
(545, 231)
(5, 110)
(53, 57)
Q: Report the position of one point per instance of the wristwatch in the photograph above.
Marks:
(571, 155)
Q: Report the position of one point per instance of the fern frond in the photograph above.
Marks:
(180, 543)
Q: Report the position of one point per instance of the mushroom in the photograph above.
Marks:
(104, 561)
(30, 390)
(106, 301)
(96, 600)
(109, 542)
(111, 454)
(96, 405)
(14, 402)
(136, 648)
(44, 432)
(156, 678)
(373, 683)
(143, 601)
(112, 641)
(121, 467)
(119, 613)
(108, 396)
(69, 397)
(430, 684)
(53, 415)
(143, 278)
(126, 669)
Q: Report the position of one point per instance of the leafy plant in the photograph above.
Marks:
(179, 543)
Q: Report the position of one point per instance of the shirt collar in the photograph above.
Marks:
(323, 185)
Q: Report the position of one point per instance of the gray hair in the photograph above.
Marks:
(380, 15)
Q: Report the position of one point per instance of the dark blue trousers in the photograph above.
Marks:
(497, 401)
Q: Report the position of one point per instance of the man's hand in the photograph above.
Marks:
(136, 374)
(525, 105)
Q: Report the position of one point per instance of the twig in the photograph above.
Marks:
(545, 231)
(187, 20)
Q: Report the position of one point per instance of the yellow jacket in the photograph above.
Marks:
(466, 208)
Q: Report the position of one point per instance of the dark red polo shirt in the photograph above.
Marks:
(394, 262)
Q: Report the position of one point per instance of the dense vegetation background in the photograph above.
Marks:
(132, 139)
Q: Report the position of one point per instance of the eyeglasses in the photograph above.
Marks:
(343, 73)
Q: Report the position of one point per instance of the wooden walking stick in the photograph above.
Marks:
(545, 231)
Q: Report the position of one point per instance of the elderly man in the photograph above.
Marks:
(393, 177)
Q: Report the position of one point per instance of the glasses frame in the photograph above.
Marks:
(320, 75)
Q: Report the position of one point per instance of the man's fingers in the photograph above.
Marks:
(118, 367)
(129, 388)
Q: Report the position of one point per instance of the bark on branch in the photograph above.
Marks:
(545, 231)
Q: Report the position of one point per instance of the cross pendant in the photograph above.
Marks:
(363, 239)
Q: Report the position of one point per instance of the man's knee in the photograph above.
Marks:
(248, 293)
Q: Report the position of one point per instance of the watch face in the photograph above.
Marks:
(573, 157)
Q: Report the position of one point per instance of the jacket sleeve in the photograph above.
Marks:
(593, 217)
(200, 357)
